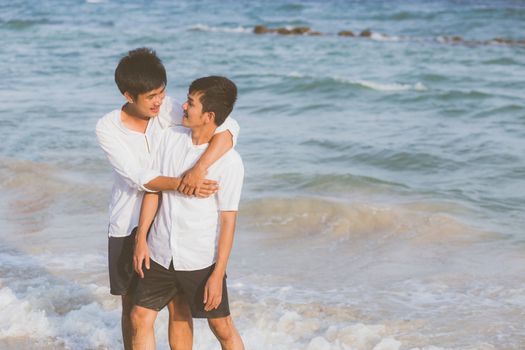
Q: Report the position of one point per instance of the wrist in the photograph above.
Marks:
(176, 181)
(200, 166)
(140, 238)
(219, 271)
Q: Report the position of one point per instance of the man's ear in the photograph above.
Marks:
(128, 97)
(210, 117)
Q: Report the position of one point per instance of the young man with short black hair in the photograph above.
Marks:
(190, 240)
(129, 137)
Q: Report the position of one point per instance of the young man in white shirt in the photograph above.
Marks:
(189, 243)
(129, 137)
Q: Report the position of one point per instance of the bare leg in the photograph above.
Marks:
(226, 333)
(180, 329)
(143, 320)
(125, 321)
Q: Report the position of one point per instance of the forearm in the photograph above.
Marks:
(225, 241)
(192, 180)
(150, 204)
(219, 145)
(163, 183)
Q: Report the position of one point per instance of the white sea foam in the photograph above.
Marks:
(387, 87)
(384, 37)
(206, 28)
(56, 262)
(88, 327)
(296, 75)
(263, 324)
(388, 344)
(19, 318)
(268, 316)
(391, 87)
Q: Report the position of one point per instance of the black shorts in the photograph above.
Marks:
(122, 276)
(160, 285)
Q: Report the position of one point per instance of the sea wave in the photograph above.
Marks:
(503, 61)
(264, 324)
(312, 81)
(206, 28)
(20, 24)
(384, 37)
(291, 7)
(421, 222)
(86, 327)
(32, 189)
(391, 87)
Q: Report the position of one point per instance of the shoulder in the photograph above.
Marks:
(108, 121)
(232, 159)
(167, 105)
(170, 112)
(175, 133)
(179, 130)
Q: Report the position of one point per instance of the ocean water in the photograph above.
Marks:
(384, 199)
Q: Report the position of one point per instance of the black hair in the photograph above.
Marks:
(140, 71)
(218, 95)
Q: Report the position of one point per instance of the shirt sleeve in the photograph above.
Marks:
(230, 185)
(232, 126)
(170, 113)
(120, 158)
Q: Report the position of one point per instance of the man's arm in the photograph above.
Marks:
(224, 139)
(167, 183)
(213, 288)
(150, 204)
(192, 179)
(163, 183)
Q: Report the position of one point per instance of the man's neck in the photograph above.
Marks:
(133, 120)
(202, 134)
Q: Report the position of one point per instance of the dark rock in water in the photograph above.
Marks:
(300, 30)
(452, 39)
(366, 33)
(284, 31)
(346, 33)
(472, 43)
(503, 41)
(261, 30)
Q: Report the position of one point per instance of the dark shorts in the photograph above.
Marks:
(122, 276)
(160, 285)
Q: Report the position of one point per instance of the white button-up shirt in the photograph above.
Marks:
(186, 229)
(130, 154)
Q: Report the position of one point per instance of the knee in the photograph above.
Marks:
(222, 328)
(141, 318)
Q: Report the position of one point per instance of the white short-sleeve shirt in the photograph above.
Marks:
(130, 154)
(186, 229)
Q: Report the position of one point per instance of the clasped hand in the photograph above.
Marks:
(193, 183)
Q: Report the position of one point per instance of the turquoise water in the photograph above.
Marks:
(391, 168)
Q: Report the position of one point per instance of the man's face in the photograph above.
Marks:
(148, 103)
(193, 115)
